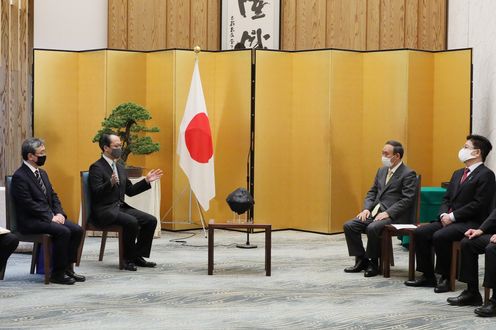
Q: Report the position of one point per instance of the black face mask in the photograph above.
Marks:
(116, 153)
(41, 160)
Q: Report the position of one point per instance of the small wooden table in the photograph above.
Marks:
(268, 241)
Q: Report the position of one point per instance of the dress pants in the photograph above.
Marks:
(441, 238)
(138, 229)
(469, 265)
(353, 231)
(65, 240)
(8, 244)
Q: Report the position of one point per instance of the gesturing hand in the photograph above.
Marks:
(154, 175)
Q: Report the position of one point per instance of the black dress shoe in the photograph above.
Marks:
(442, 286)
(130, 266)
(466, 298)
(360, 265)
(371, 271)
(422, 281)
(140, 261)
(76, 277)
(488, 310)
(62, 279)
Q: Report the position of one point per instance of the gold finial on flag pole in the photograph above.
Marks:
(197, 49)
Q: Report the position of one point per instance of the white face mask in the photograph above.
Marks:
(386, 161)
(465, 154)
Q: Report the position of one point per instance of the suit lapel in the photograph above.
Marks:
(396, 175)
(30, 174)
(460, 186)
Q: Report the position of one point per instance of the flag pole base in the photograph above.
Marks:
(246, 246)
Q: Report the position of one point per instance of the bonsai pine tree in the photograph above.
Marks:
(127, 120)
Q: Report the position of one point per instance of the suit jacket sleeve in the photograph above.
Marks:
(371, 196)
(489, 225)
(483, 196)
(100, 184)
(409, 185)
(137, 188)
(21, 192)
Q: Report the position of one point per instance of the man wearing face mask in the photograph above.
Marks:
(108, 185)
(467, 202)
(39, 211)
(389, 200)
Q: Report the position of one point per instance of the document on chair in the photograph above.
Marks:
(407, 226)
(4, 231)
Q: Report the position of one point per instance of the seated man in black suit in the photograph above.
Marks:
(39, 211)
(389, 200)
(466, 204)
(478, 241)
(8, 244)
(108, 184)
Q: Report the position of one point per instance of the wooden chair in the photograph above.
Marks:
(387, 257)
(486, 295)
(87, 225)
(36, 239)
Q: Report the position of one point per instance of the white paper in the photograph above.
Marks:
(404, 226)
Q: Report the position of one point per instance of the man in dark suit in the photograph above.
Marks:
(389, 200)
(466, 204)
(8, 244)
(475, 242)
(108, 184)
(39, 211)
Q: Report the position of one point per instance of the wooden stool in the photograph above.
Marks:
(486, 295)
(455, 256)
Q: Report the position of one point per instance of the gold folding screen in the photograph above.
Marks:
(322, 118)
(75, 91)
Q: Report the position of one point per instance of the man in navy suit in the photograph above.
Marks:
(39, 211)
(108, 184)
(466, 204)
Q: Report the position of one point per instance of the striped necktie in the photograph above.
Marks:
(40, 181)
(114, 169)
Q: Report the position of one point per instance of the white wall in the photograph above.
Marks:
(70, 24)
(471, 23)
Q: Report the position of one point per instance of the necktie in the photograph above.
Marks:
(114, 169)
(375, 210)
(389, 175)
(40, 181)
(465, 175)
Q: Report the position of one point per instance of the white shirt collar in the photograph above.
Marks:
(31, 167)
(109, 161)
(396, 167)
(474, 166)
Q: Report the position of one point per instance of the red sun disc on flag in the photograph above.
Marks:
(199, 138)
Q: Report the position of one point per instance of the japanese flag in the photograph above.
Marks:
(194, 147)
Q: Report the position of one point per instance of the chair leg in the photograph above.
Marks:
(80, 249)
(385, 266)
(455, 252)
(102, 245)
(47, 258)
(121, 250)
(391, 254)
(486, 295)
(411, 258)
(34, 257)
(2, 271)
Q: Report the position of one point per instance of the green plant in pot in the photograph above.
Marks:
(127, 121)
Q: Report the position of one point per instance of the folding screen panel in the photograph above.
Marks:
(75, 91)
(322, 118)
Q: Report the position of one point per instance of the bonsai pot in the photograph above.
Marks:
(134, 172)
